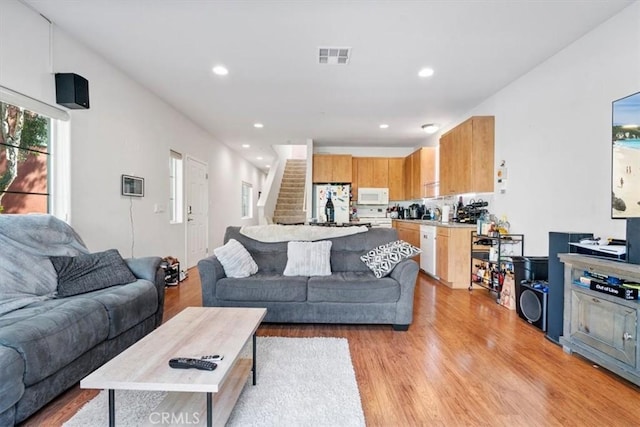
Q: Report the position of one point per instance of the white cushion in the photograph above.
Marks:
(383, 259)
(308, 259)
(236, 260)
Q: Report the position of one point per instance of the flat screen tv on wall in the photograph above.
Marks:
(625, 157)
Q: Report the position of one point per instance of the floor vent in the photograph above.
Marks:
(334, 55)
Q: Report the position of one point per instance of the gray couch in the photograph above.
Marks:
(351, 294)
(48, 346)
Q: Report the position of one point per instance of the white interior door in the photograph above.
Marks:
(197, 211)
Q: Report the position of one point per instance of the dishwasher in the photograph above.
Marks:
(428, 247)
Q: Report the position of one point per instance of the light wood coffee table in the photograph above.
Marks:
(194, 332)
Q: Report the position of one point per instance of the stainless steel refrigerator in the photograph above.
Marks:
(340, 194)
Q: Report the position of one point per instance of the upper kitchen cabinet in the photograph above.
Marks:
(373, 172)
(428, 171)
(379, 172)
(332, 168)
(354, 181)
(420, 173)
(396, 178)
(467, 157)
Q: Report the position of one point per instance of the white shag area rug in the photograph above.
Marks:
(301, 382)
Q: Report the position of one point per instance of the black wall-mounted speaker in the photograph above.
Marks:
(72, 91)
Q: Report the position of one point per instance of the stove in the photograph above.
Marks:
(381, 222)
(376, 215)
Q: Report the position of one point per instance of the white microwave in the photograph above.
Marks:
(373, 196)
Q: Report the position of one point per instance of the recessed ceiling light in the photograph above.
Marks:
(259, 158)
(267, 166)
(430, 128)
(426, 72)
(258, 125)
(245, 146)
(384, 126)
(220, 70)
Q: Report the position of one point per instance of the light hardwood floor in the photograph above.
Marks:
(465, 361)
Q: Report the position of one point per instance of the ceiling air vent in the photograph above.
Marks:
(334, 55)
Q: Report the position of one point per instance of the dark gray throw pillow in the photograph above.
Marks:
(90, 272)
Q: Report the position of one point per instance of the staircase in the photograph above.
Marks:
(289, 207)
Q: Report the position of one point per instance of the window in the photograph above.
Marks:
(247, 197)
(25, 138)
(176, 201)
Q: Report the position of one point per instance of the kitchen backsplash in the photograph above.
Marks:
(431, 204)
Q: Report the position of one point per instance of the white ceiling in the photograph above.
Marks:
(270, 47)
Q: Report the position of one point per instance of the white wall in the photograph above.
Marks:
(553, 129)
(127, 130)
(24, 42)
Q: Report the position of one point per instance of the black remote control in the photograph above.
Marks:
(188, 363)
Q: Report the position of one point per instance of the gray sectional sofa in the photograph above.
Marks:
(48, 346)
(50, 343)
(351, 294)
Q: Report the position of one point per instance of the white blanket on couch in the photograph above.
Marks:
(308, 233)
(26, 243)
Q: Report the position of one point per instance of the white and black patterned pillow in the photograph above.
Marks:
(383, 259)
(235, 259)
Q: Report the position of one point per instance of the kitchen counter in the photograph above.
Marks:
(341, 224)
(437, 223)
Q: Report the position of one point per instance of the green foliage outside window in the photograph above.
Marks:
(23, 134)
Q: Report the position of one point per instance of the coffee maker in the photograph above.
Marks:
(416, 211)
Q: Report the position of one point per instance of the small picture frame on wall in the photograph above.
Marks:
(132, 186)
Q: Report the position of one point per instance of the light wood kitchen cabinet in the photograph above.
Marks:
(442, 253)
(342, 171)
(428, 171)
(420, 173)
(412, 176)
(467, 157)
(408, 174)
(446, 164)
(416, 169)
(332, 168)
(410, 233)
(396, 178)
(354, 180)
(378, 172)
(453, 254)
(373, 172)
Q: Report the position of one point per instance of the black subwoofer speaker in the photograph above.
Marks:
(72, 91)
(532, 303)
